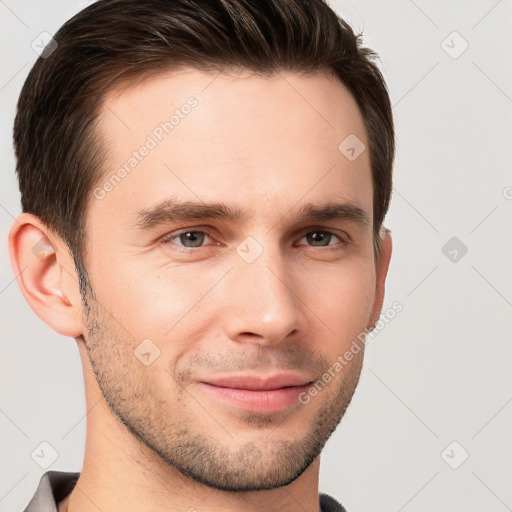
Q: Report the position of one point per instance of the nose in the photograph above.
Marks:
(263, 301)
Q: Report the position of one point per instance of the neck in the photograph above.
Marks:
(120, 473)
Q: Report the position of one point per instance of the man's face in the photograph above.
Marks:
(181, 302)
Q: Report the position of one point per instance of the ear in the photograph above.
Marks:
(381, 273)
(46, 274)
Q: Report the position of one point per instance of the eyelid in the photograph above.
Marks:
(171, 236)
(326, 229)
(343, 240)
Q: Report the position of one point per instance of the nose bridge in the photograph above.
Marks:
(263, 296)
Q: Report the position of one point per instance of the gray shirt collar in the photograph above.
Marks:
(54, 486)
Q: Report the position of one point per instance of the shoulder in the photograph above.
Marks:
(329, 504)
(53, 487)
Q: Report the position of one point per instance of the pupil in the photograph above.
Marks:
(192, 236)
(318, 236)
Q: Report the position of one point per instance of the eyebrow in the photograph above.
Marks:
(171, 210)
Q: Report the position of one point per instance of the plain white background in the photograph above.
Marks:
(436, 386)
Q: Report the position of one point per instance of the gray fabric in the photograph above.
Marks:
(329, 504)
(54, 486)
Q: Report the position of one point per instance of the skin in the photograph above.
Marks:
(267, 145)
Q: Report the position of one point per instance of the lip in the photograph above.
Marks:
(255, 393)
(258, 382)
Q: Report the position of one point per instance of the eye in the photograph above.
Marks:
(187, 239)
(195, 239)
(321, 238)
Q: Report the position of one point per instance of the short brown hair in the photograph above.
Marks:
(112, 42)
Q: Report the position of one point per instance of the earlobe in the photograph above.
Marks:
(45, 273)
(381, 273)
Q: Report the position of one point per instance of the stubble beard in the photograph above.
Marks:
(171, 432)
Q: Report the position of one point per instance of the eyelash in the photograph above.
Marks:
(168, 238)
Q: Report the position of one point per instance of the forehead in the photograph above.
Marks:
(262, 141)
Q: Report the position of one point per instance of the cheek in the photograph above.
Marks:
(342, 297)
(155, 302)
